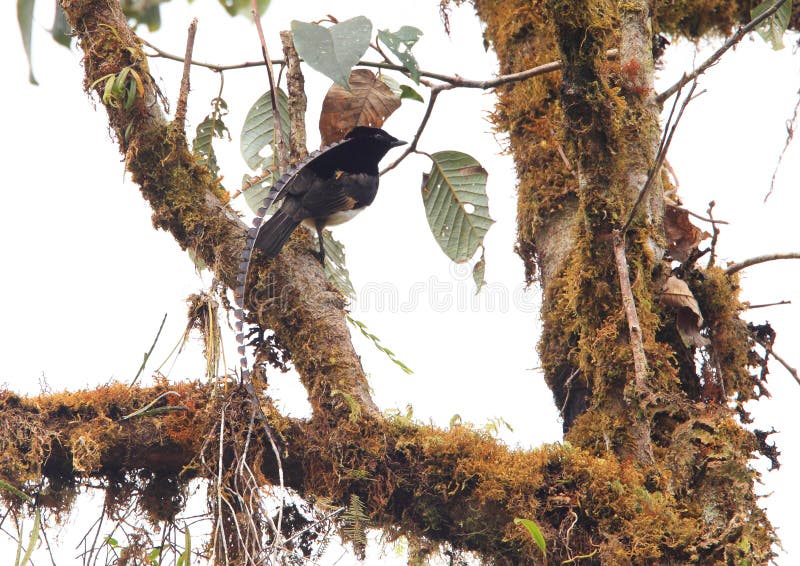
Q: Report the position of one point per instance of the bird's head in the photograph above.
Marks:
(374, 135)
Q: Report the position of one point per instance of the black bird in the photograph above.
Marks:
(329, 189)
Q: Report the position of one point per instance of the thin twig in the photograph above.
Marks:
(666, 140)
(703, 218)
(183, 95)
(733, 40)
(764, 305)
(412, 147)
(760, 259)
(790, 126)
(715, 236)
(283, 158)
(454, 80)
(784, 363)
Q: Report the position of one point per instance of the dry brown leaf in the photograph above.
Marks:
(368, 103)
(689, 320)
(683, 236)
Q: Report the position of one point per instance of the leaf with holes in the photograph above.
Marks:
(400, 43)
(212, 126)
(258, 131)
(368, 103)
(334, 50)
(773, 28)
(454, 193)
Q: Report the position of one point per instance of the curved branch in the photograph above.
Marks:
(760, 259)
(412, 147)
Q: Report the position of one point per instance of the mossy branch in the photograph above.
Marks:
(460, 487)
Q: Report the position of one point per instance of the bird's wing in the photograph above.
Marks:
(343, 191)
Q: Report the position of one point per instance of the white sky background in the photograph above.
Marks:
(87, 279)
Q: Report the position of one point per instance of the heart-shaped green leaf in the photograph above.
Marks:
(334, 50)
(454, 193)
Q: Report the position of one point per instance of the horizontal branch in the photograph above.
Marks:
(760, 259)
(453, 80)
(459, 486)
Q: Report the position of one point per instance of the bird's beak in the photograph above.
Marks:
(397, 143)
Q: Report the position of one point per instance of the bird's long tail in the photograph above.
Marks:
(275, 232)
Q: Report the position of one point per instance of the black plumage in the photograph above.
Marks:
(328, 189)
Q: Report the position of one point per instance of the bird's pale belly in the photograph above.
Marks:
(334, 219)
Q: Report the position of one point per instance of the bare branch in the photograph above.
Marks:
(454, 80)
(283, 158)
(764, 305)
(412, 147)
(733, 40)
(760, 259)
(666, 140)
(645, 449)
(183, 96)
(714, 237)
(790, 126)
(768, 347)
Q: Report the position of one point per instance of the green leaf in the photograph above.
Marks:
(377, 343)
(454, 193)
(112, 542)
(479, 271)
(408, 92)
(335, 50)
(254, 195)
(535, 532)
(400, 43)
(258, 131)
(37, 522)
(393, 85)
(61, 28)
(212, 126)
(773, 28)
(25, 20)
(335, 268)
